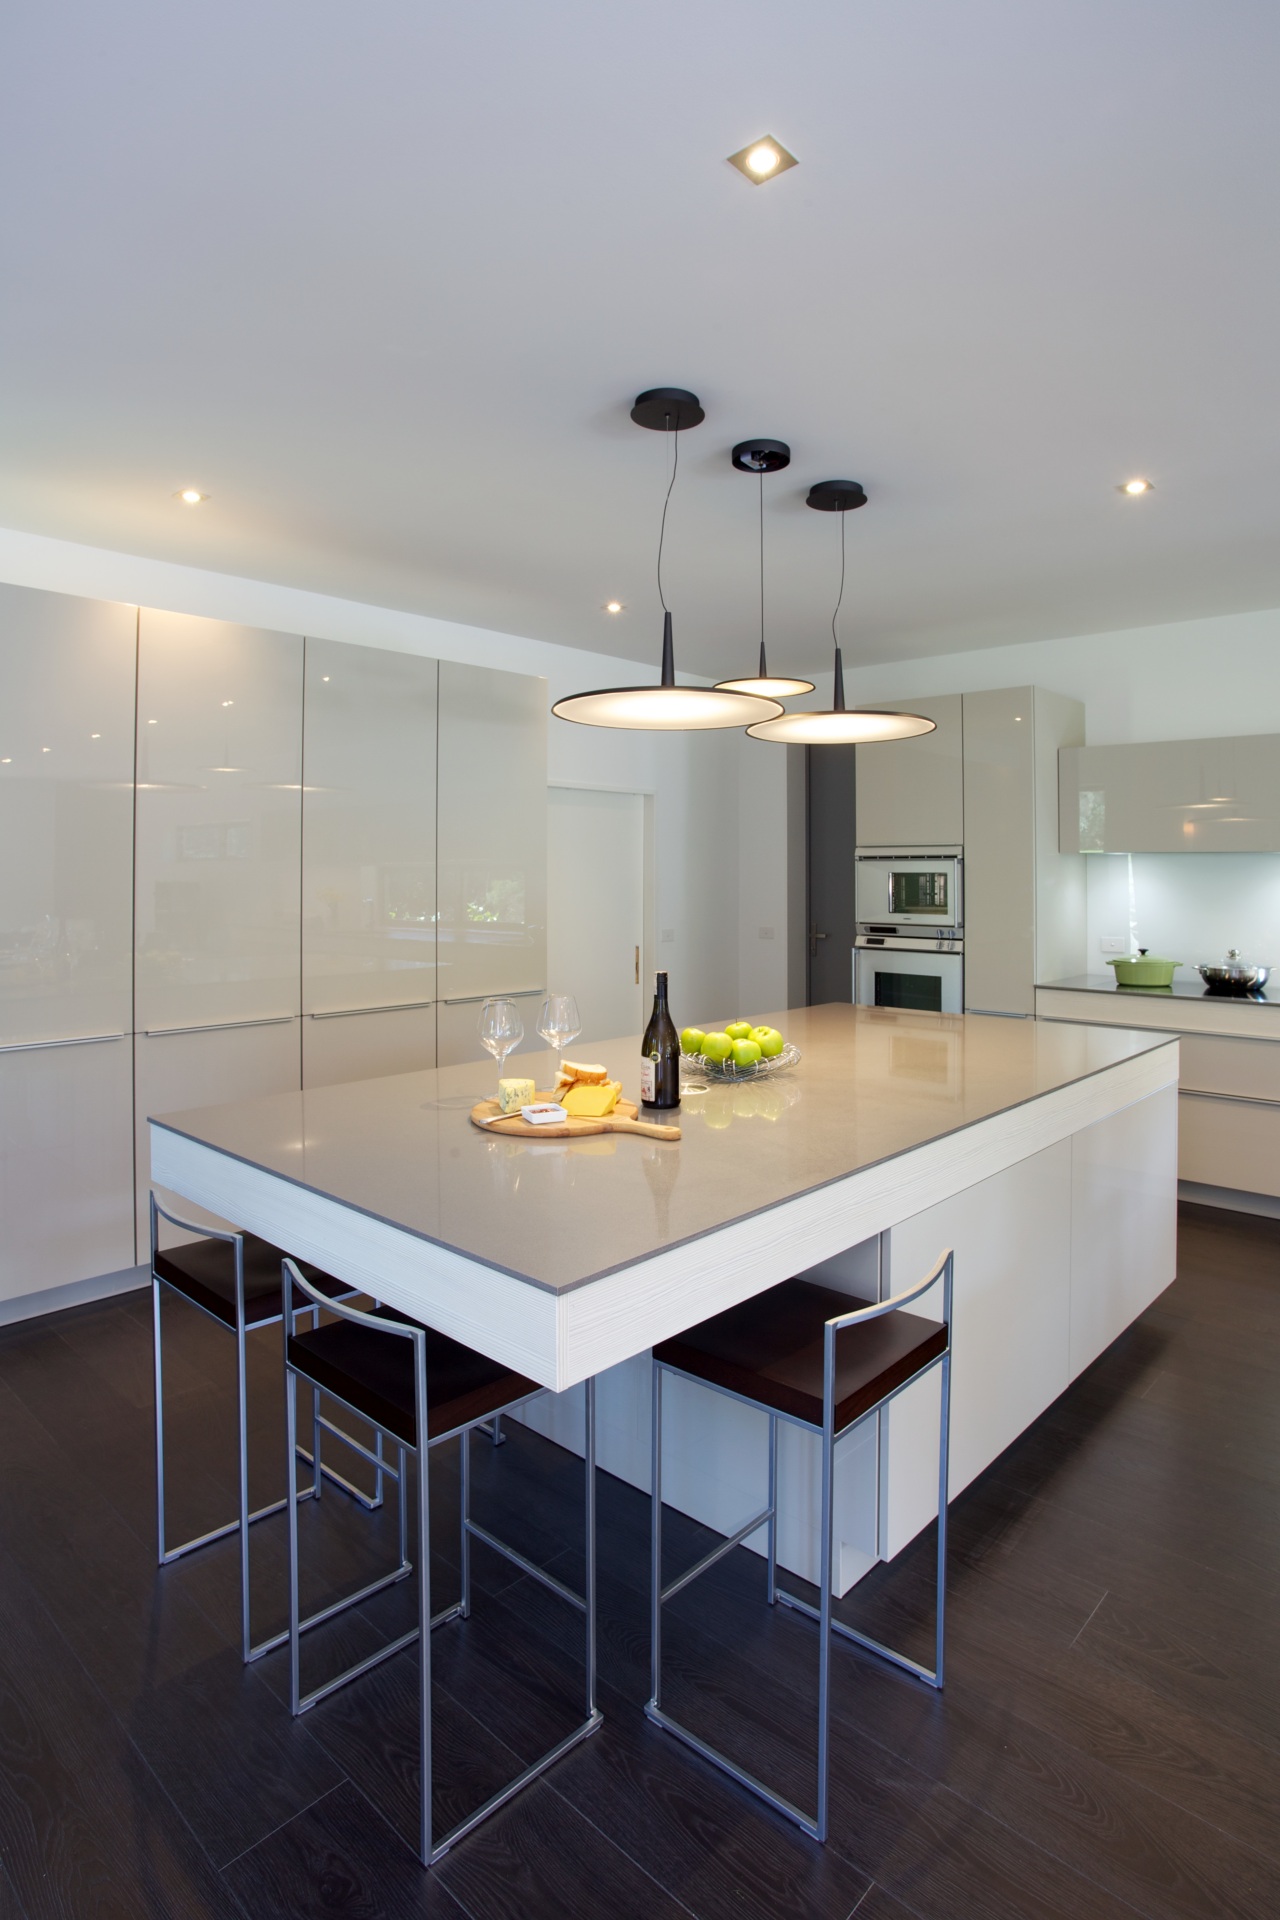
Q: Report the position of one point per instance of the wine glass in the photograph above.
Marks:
(558, 1022)
(501, 1028)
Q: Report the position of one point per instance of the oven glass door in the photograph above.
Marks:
(921, 982)
(917, 893)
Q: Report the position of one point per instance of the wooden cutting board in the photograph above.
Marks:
(623, 1119)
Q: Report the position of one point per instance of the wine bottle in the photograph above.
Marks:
(660, 1055)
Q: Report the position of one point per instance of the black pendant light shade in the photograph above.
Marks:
(666, 707)
(838, 725)
(760, 456)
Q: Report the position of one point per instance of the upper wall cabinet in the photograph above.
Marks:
(219, 851)
(1172, 796)
(911, 792)
(67, 670)
(369, 829)
(492, 838)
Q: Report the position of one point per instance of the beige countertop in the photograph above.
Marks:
(873, 1083)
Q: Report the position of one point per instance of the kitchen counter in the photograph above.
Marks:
(1194, 989)
(1044, 1154)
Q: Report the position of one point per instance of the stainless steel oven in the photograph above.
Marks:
(894, 970)
(910, 889)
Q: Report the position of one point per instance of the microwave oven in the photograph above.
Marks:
(910, 890)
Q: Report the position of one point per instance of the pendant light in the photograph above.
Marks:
(761, 457)
(839, 725)
(666, 708)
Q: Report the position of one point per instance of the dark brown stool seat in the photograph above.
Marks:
(770, 1350)
(375, 1377)
(805, 1354)
(205, 1271)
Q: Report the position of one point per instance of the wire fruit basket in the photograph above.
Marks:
(697, 1066)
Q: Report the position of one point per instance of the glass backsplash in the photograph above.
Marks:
(1187, 907)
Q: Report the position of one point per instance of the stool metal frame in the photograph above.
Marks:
(430, 1849)
(245, 1519)
(815, 1826)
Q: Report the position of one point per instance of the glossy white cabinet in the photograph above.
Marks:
(1173, 796)
(1024, 899)
(910, 793)
(67, 670)
(360, 1046)
(369, 830)
(66, 1164)
(219, 851)
(175, 1071)
(492, 834)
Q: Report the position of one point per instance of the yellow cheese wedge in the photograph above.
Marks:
(514, 1094)
(591, 1103)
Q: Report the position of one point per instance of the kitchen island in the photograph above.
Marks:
(1045, 1154)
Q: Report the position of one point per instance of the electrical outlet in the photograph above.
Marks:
(1113, 946)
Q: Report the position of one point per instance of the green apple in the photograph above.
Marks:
(716, 1046)
(739, 1029)
(746, 1053)
(691, 1040)
(769, 1041)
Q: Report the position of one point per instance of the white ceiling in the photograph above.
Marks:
(383, 279)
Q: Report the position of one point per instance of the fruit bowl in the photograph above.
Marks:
(696, 1065)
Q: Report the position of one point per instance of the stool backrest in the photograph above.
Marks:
(941, 1271)
(376, 1322)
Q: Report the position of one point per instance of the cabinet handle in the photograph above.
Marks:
(478, 999)
(1237, 1099)
(348, 1013)
(637, 966)
(218, 1026)
(77, 1040)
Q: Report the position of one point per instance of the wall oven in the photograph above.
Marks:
(895, 970)
(908, 890)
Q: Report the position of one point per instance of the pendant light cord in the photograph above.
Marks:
(834, 635)
(662, 532)
(762, 561)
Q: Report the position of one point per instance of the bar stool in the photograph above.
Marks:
(418, 1387)
(798, 1353)
(234, 1277)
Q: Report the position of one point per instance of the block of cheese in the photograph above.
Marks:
(591, 1103)
(571, 1074)
(514, 1094)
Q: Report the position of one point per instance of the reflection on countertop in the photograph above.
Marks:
(873, 1083)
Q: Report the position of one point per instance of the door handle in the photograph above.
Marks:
(814, 937)
(637, 966)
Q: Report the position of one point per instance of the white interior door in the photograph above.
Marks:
(595, 905)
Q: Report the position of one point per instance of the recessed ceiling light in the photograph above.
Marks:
(762, 160)
(191, 496)
(1135, 487)
(613, 606)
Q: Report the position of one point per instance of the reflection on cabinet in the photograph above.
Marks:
(1024, 900)
(175, 1071)
(67, 669)
(369, 831)
(66, 1164)
(910, 793)
(1173, 796)
(458, 1037)
(219, 822)
(360, 1046)
(492, 879)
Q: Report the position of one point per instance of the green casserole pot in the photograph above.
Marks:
(1142, 970)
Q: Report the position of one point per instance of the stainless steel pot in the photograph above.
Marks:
(1234, 975)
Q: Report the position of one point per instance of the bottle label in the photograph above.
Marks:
(648, 1081)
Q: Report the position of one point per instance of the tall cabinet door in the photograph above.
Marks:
(491, 847)
(67, 671)
(911, 792)
(368, 862)
(219, 861)
(999, 863)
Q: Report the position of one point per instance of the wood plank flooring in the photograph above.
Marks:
(1108, 1743)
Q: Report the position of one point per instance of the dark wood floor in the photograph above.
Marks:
(1108, 1743)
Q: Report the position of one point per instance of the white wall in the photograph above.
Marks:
(1193, 679)
(699, 781)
